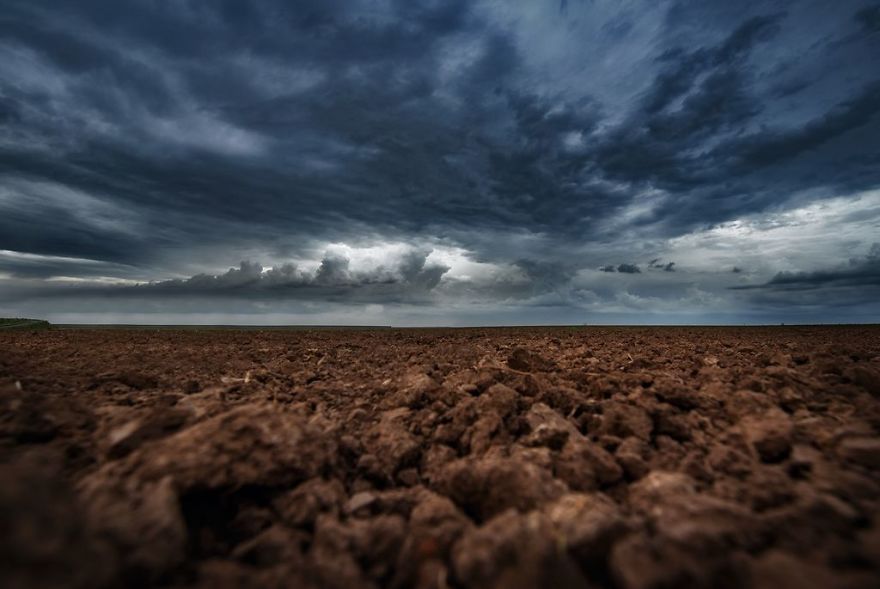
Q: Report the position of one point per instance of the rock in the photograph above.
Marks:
(769, 434)
(862, 451)
(528, 361)
(485, 487)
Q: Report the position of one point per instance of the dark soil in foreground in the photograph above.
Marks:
(594, 457)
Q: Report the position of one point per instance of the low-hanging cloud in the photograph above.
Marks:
(412, 276)
(860, 272)
(629, 269)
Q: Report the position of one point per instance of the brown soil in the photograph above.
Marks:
(594, 457)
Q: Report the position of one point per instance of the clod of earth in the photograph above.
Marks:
(713, 457)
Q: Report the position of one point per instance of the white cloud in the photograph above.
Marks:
(814, 236)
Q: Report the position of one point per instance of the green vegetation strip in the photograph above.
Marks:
(21, 323)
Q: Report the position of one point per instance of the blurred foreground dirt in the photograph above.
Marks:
(566, 457)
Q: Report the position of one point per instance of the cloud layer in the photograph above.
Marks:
(567, 152)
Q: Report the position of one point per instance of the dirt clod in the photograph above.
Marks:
(619, 458)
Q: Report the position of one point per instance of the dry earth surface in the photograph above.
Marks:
(566, 457)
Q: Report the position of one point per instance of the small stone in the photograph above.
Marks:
(360, 501)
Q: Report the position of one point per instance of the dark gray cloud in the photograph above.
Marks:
(332, 280)
(869, 18)
(658, 264)
(629, 269)
(149, 140)
(854, 284)
(857, 273)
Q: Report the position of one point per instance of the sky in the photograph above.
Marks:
(440, 162)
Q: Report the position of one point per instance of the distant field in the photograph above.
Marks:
(21, 323)
(125, 326)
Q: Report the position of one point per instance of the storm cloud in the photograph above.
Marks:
(453, 158)
(843, 285)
